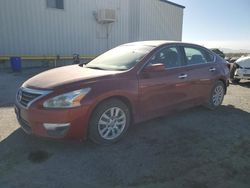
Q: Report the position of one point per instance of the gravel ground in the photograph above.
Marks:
(196, 148)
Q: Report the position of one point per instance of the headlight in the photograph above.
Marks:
(67, 100)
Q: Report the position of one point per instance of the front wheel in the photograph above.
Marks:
(109, 122)
(216, 96)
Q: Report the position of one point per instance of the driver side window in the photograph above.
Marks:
(168, 56)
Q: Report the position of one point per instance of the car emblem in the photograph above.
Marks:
(19, 96)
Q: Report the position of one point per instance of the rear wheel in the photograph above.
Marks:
(109, 122)
(216, 96)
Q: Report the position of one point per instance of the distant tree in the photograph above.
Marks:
(219, 52)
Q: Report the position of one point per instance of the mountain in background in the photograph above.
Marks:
(228, 50)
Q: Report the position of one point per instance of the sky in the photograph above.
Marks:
(217, 23)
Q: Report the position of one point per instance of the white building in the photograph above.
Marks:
(88, 27)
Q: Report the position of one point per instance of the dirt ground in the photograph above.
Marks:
(197, 148)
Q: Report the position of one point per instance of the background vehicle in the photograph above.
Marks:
(240, 69)
(131, 83)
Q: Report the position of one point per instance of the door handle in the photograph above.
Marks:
(212, 69)
(183, 76)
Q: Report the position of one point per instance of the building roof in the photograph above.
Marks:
(172, 3)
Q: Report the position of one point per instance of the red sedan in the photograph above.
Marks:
(131, 83)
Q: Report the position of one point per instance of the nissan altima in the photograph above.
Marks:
(131, 83)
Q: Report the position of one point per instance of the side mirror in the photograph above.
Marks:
(159, 67)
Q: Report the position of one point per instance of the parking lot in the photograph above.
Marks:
(197, 148)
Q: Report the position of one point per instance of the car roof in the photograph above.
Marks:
(153, 43)
(156, 43)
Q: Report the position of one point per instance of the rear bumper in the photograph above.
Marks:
(56, 124)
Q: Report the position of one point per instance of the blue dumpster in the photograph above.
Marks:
(16, 64)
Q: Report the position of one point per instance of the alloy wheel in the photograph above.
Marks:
(112, 123)
(218, 95)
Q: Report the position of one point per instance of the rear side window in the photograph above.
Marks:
(168, 56)
(197, 56)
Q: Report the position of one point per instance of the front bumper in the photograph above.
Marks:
(242, 74)
(58, 124)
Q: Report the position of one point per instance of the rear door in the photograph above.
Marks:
(202, 71)
(160, 92)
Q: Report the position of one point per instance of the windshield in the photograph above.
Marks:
(120, 58)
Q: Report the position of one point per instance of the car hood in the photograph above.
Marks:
(244, 62)
(64, 75)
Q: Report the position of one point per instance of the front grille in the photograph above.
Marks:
(25, 97)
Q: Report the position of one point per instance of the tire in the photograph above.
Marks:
(216, 96)
(109, 122)
(232, 73)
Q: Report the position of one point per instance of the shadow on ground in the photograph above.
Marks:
(195, 148)
(245, 84)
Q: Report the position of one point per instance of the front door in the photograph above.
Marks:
(161, 92)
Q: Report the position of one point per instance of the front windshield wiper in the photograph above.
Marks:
(98, 68)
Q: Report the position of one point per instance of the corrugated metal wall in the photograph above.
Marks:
(134, 14)
(160, 20)
(28, 27)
